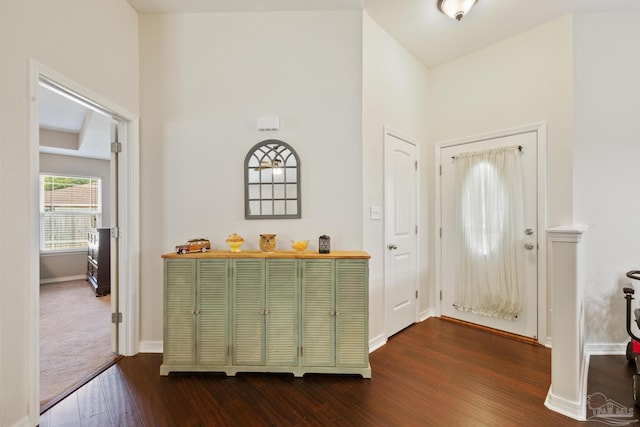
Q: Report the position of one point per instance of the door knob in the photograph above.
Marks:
(528, 246)
(528, 231)
(391, 246)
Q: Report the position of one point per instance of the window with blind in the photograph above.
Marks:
(69, 207)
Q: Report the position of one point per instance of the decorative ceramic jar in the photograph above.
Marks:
(234, 241)
(324, 244)
(268, 243)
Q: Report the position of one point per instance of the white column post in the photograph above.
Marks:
(568, 379)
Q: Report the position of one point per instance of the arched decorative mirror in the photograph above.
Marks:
(272, 181)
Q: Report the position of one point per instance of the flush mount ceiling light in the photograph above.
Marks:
(456, 9)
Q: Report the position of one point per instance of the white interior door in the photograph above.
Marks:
(525, 240)
(117, 129)
(401, 277)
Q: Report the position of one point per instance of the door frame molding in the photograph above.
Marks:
(540, 129)
(388, 131)
(129, 221)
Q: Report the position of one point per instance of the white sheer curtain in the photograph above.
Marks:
(490, 217)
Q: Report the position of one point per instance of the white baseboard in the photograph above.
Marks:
(605, 349)
(150, 347)
(575, 410)
(424, 315)
(377, 342)
(62, 279)
(22, 423)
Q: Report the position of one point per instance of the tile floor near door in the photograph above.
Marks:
(75, 337)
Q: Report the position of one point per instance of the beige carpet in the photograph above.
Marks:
(75, 337)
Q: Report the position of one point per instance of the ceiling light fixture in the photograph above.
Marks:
(456, 9)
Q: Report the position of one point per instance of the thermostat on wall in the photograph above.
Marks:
(268, 123)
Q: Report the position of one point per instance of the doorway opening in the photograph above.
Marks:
(90, 155)
(75, 195)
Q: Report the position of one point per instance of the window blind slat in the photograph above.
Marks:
(69, 207)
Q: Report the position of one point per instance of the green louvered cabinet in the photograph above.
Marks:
(265, 314)
(352, 314)
(335, 316)
(282, 315)
(282, 312)
(179, 340)
(196, 314)
(248, 312)
(318, 313)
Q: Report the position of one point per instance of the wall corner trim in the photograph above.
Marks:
(569, 234)
(377, 342)
(151, 347)
(565, 407)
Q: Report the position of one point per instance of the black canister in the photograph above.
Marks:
(324, 244)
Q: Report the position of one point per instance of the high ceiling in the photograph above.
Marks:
(195, 6)
(418, 25)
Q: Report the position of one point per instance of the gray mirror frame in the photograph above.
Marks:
(272, 145)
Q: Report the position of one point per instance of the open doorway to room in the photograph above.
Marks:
(77, 196)
(124, 220)
(124, 213)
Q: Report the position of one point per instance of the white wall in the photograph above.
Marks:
(60, 265)
(606, 168)
(205, 79)
(394, 95)
(523, 80)
(95, 44)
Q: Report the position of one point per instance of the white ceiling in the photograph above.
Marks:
(416, 24)
(194, 6)
(59, 113)
(88, 129)
(434, 38)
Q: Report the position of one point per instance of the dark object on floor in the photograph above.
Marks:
(633, 346)
(99, 260)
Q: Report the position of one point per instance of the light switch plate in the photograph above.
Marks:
(376, 212)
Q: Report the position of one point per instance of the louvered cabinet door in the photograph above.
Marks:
(212, 312)
(318, 313)
(179, 312)
(352, 312)
(282, 312)
(248, 312)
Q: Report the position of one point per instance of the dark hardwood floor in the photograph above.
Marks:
(435, 373)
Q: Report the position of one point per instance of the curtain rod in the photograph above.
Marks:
(519, 149)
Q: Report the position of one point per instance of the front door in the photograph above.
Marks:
(485, 209)
(401, 281)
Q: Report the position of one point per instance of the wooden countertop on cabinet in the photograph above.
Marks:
(277, 254)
